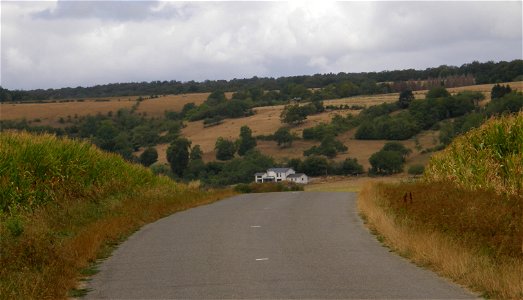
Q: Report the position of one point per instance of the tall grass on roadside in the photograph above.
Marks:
(489, 157)
(64, 203)
(38, 169)
(468, 237)
(465, 218)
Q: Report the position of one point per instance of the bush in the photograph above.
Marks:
(350, 166)
(416, 170)
(243, 188)
(149, 156)
(268, 187)
(438, 92)
(329, 147)
(225, 149)
(386, 162)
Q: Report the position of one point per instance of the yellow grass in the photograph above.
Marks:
(346, 183)
(49, 113)
(440, 253)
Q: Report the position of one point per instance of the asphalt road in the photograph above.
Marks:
(277, 245)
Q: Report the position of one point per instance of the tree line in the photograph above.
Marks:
(340, 84)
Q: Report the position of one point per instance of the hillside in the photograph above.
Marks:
(64, 203)
(146, 118)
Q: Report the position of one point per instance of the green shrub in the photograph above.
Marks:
(416, 169)
(243, 188)
(268, 187)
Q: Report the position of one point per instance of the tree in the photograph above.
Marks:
(123, 146)
(329, 147)
(149, 156)
(295, 164)
(398, 147)
(196, 153)
(225, 149)
(105, 135)
(315, 166)
(405, 98)
(178, 155)
(283, 137)
(438, 92)
(293, 114)
(215, 98)
(499, 91)
(350, 166)
(195, 170)
(386, 162)
(246, 141)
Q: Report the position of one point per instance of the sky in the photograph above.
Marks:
(53, 44)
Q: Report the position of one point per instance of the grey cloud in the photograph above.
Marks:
(85, 43)
(115, 10)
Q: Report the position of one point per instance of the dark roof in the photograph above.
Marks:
(259, 174)
(279, 170)
(296, 175)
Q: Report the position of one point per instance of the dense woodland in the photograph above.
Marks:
(335, 85)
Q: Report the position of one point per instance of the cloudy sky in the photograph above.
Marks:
(56, 44)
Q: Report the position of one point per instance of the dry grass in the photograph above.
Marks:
(346, 183)
(59, 271)
(447, 255)
(49, 113)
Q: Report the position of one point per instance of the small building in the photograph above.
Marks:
(298, 178)
(281, 174)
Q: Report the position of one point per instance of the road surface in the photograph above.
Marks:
(277, 245)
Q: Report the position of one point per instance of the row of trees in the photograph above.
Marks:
(508, 103)
(340, 84)
(419, 115)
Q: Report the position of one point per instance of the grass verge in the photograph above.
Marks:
(455, 243)
(65, 203)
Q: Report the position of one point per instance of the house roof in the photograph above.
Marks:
(296, 175)
(259, 174)
(279, 170)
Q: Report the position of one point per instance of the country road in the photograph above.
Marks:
(277, 245)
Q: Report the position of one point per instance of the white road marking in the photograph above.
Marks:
(255, 226)
(265, 258)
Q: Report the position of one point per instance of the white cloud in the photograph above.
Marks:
(56, 44)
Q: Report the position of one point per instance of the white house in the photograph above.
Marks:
(298, 178)
(281, 174)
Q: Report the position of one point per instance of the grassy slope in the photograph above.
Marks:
(465, 220)
(64, 203)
